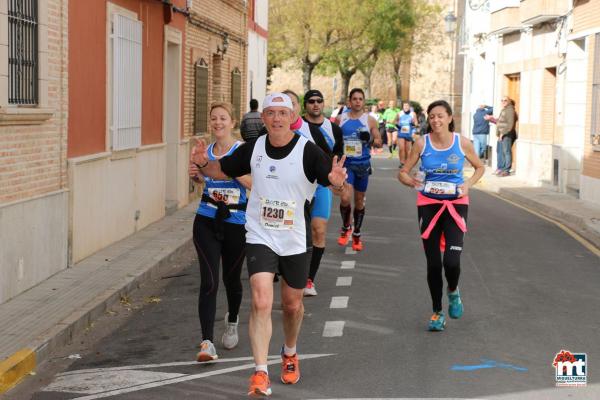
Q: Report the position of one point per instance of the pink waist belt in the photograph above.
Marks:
(423, 200)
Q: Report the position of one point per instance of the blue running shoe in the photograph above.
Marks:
(437, 322)
(455, 306)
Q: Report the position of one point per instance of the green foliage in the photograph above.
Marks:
(416, 106)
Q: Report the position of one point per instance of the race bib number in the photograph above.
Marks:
(226, 195)
(405, 129)
(352, 148)
(277, 214)
(445, 188)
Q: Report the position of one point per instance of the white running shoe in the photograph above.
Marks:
(207, 352)
(230, 336)
(310, 289)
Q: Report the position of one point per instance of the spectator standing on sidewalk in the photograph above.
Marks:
(481, 129)
(252, 123)
(219, 235)
(506, 134)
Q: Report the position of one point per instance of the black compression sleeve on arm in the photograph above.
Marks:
(238, 163)
(338, 148)
(317, 165)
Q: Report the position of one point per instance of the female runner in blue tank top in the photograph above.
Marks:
(442, 203)
(220, 236)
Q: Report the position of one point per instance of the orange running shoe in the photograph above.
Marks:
(290, 369)
(344, 236)
(356, 243)
(260, 385)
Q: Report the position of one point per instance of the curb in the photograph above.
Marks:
(573, 222)
(21, 363)
(15, 368)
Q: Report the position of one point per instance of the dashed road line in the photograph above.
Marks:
(339, 302)
(349, 251)
(344, 281)
(334, 328)
(348, 264)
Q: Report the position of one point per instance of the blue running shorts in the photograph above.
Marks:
(322, 203)
(358, 176)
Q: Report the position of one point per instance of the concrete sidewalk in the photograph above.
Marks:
(50, 314)
(580, 216)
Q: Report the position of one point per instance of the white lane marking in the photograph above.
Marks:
(339, 302)
(171, 364)
(349, 251)
(333, 328)
(169, 381)
(344, 281)
(106, 381)
(348, 264)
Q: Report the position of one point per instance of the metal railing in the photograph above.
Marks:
(23, 52)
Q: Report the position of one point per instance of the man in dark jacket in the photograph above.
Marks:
(252, 124)
(481, 129)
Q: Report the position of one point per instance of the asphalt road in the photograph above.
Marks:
(529, 291)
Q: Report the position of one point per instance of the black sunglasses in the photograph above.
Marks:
(313, 101)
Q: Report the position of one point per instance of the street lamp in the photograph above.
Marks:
(450, 22)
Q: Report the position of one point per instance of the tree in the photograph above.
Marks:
(417, 41)
(300, 31)
(367, 28)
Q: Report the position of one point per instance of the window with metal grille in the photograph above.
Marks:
(23, 52)
(126, 83)
(595, 128)
(236, 94)
(201, 98)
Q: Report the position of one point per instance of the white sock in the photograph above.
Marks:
(261, 367)
(289, 351)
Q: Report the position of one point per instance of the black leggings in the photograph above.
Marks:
(454, 244)
(231, 250)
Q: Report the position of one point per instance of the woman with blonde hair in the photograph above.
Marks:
(219, 235)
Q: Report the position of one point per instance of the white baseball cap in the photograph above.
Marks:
(277, 99)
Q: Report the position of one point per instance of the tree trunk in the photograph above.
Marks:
(398, 80)
(368, 85)
(346, 76)
(307, 70)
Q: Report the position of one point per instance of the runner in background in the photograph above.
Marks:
(328, 136)
(389, 117)
(406, 121)
(360, 133)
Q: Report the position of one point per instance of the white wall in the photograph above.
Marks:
(257, 68)
(106, 192)
(33, 242)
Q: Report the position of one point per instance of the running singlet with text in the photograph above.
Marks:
(356, 151)
(443, 169)
(280, 189)
(405, 123)
(229, 191)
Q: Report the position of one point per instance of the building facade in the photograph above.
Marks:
(543, 55)
(215, 66)
(125, 94)
(258, 18)
(33, 143)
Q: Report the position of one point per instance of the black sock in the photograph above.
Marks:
(394, 146)
(359, 216)
(346, 211)
(315, 261)
(390, 147)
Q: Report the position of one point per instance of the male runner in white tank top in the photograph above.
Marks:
(285, 170)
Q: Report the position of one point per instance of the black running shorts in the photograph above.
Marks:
(294, 268)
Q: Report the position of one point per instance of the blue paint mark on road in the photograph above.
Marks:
(486, 364)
